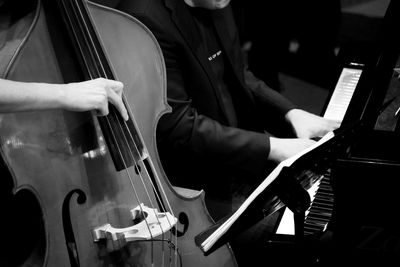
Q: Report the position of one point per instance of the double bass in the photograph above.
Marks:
(82, 190)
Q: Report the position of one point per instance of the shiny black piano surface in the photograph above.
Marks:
(366, 181)
(364, 229)
(365, 224)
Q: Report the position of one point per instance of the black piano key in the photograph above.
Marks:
(320, 212)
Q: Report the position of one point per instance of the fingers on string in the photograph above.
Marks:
(114, 93)
(102, 110)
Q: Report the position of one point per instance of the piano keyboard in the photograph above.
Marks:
(318, 215)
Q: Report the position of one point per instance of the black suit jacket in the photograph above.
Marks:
(199, 146)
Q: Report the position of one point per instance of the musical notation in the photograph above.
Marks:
(342, 94)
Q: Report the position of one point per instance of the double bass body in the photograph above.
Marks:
(69, 174)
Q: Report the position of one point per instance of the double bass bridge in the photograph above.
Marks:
(148, 224)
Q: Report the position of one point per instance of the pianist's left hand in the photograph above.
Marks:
(308, 125)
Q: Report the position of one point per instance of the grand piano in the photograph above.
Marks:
(353, 217)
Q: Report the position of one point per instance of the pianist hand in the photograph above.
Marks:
(305, 126)
(308, 125)
(283, 148)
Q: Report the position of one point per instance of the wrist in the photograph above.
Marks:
(291, 115)
(274, 154)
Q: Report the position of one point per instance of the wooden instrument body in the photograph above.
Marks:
(60, 159)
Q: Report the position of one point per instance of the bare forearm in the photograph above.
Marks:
(79, 96)
(20, 96)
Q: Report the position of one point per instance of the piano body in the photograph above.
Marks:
(354, 214)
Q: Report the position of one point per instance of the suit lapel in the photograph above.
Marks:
(186, 25)
(226, 34)
(190, 32)
(226, 29)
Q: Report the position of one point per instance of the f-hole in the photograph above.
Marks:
(183, 225)
(21, 211)
(68, 229)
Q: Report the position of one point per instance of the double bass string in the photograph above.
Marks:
(106, 118)
(103, 74)
(153, 187)
(158, 197)
(119, 150)
(131, 154)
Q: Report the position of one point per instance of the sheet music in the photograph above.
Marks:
(342, 94)
(210, 241)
